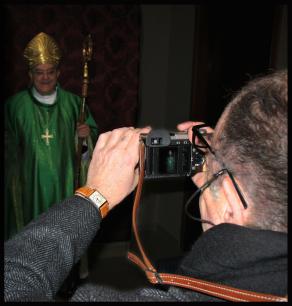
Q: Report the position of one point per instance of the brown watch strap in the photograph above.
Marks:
(86, 192)
(210, 288)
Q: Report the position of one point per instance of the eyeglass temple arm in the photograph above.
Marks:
(237, 189)
(214, 177)
(196, 132)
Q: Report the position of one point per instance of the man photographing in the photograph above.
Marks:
(243, 197)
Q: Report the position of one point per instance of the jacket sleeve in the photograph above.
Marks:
(39, 258)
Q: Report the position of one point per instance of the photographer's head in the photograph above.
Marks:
(250, 146)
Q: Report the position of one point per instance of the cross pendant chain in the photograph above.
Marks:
(47, 136)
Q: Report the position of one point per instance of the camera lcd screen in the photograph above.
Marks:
(168, 158)
(170, 155)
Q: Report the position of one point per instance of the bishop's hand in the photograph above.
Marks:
(83, 130)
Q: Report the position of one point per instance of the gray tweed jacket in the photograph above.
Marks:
(38, 259)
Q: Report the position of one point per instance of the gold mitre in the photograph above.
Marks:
(42, 49)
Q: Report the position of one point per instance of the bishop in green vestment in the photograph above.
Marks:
(41, 132)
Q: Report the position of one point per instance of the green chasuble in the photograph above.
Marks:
(40, 148)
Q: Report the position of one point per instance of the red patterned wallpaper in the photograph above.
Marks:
(115, 30)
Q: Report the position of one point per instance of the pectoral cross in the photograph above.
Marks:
(47, 136)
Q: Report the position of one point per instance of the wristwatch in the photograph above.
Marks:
(94, 197)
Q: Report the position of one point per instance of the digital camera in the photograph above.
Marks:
(170, 155)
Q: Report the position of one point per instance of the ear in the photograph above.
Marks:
(234, 212)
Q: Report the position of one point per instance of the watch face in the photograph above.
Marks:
(97, 198)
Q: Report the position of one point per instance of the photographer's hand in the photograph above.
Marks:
(112, 170)
(198, 178)
(187, 126)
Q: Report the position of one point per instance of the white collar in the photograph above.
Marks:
(48, 99)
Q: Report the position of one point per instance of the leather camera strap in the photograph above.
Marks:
(221, 291)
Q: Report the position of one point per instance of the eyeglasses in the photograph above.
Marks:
(201, 144)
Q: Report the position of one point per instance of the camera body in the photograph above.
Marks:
(170, 155)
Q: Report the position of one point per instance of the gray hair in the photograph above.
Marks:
(251, 139)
